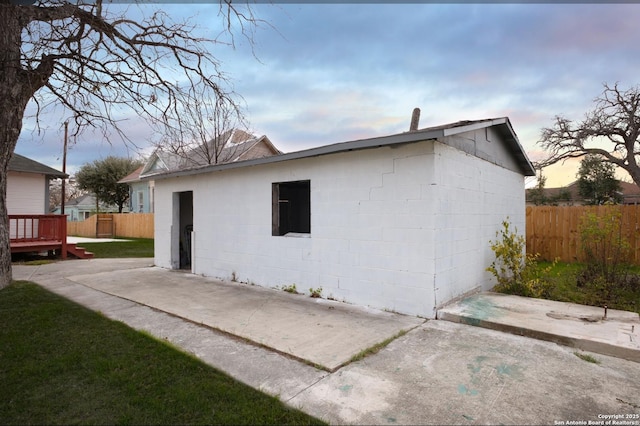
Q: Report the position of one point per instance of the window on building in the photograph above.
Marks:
(291, 207)
(140, 201)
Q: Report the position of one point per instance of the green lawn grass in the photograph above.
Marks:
(61, 363)
(134, 247)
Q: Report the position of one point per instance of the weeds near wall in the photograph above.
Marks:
(517, 272)
(315, 292)
(290, 289)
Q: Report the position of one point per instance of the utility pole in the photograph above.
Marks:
(64, 166)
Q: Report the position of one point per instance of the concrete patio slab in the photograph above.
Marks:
(80, 240)
(438, 373)
(443, 373)
(318, 331)
(578, 326)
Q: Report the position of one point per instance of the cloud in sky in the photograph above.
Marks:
(328, 73)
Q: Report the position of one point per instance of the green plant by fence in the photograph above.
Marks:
(554, 231)
(125, 225)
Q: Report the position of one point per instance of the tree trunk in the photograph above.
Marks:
(16, 88)
(5, 247)
(634, 172)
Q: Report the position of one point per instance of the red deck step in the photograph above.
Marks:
(79, 252)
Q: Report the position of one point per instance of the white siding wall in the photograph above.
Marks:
(403, 228)
(25, 193)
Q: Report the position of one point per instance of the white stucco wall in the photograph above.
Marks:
(403, 228)
(26, 193)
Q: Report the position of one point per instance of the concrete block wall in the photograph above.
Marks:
(404, 228)
(371, 228)
(162, 221)
(473, 200)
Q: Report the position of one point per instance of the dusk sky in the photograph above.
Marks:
(327, 73)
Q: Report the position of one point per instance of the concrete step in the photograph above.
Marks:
(569, 324)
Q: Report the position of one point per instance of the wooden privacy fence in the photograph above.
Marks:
(554, 231)
(125, 225)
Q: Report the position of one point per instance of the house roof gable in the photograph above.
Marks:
(238, 146)
(134, 176)
(234, 146)
(502, 125)
(20, 163)
(252, 150)
(155, 163)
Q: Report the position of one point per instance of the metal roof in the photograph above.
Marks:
(503, 126)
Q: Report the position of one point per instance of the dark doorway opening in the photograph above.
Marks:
(182, 247)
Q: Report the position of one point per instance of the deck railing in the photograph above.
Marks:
(38, 229)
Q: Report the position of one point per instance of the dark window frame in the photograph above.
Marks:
(291, 207)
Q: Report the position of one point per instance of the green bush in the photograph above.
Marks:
(517, 272)
(607, 254)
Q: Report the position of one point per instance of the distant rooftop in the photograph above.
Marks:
(19, 163)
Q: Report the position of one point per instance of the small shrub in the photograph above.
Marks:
(517, 272)
(607, 253)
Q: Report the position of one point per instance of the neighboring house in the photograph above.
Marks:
(630, 193)
(237, 145)
(140, 192)
(28, 185)
(80, 208)
(401, 222)
(561, 196)
(570, 195)
(27, 199)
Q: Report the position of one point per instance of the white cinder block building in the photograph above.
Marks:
(401, 222)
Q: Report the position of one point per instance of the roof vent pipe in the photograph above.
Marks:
(415, 120)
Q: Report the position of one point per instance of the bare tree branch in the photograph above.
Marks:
(98, 66)
(611, 130)
(209, 131)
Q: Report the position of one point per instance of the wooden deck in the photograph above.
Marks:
(45, 232)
